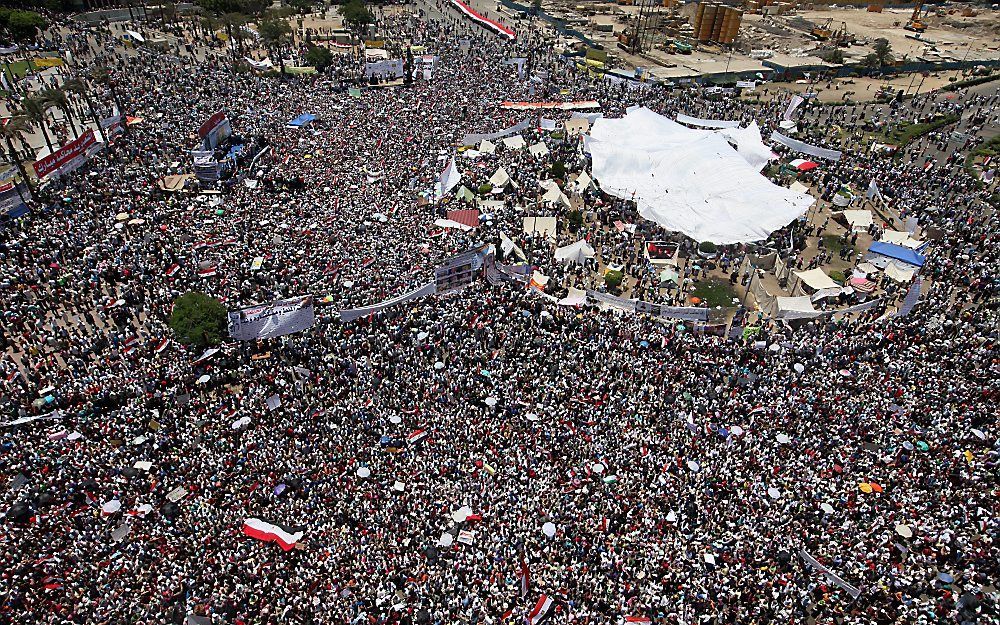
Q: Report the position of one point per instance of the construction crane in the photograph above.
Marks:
(916, 24)
(822, 33)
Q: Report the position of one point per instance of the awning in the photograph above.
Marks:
(816, 279)
(466, 217)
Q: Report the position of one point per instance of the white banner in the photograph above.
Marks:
(706, 123)
(389, 68)
(794, 104)
(805, 148)
(350, 315)
(273, 319)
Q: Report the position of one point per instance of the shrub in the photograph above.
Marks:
(707, 247)
(558, 170)
(575, 218)
(613, 279)
(198, 319)
(485, 188)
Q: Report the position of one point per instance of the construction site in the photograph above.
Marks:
(782, 41)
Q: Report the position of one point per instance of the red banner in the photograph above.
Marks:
(65, 155)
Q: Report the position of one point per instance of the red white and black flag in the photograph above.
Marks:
(525, 578)
(285, 536)
(542, 611)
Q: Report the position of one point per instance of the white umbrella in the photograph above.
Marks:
(439, 365)
(694, 466)
(598, 468)
(827, 508)
(491, 401)
(549, 529)
(904, 531)
(774, 493)
(799, 367)
(110, 507)
(736, 430)
(783, 438)
(395, 419)
(364, 472)
(460, 515)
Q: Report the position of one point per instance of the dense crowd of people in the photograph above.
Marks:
(688, 477)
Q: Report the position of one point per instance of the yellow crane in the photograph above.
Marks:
(916, 24)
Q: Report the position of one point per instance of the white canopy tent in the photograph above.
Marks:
(577, 252)
(514, 143)
(689, 181)
(540, 225)
(859, 219)
(794, 308)
(500, 178)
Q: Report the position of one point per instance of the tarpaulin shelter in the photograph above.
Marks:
(689, 181)
(897, 252)
(816, 279)
(577, 252)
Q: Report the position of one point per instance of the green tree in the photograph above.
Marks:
(198, 319)
(102, 76)
(79, 87)
(21, 26)
(319, 57)
(274, 34)
(882, 51)
(57, 98)
(356, 15)
(558, 170)
(833, 56)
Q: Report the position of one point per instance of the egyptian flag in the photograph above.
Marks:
(525, 578)
(542, 611)
(172, 269)
(416, 436)
(638, 620)
(13, 375)
(286, 537)
(208, 270)
(161, 345)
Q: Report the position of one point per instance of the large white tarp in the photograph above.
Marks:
(689, 181)
(750, 145)
(577, 252)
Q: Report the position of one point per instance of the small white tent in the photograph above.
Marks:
(577, 252)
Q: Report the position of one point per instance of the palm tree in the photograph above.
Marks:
(57, 97)
(79, 87)
(35, 109)
(14, 127)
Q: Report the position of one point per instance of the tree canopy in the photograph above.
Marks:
(198, 319)
(356, 14)
(222, 7)
(21, 25)
(319, 57)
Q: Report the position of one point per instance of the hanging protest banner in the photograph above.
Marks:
(68, 157)
(805, 148)
(387, 68)
(273, 319)
(854, 591)
(562, 106)
(112, 126)
(216, 130)
(475, 139)
(460, 270)
(350, 315)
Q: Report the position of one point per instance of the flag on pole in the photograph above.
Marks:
(449, 179)
(525, 577)
(542, 610)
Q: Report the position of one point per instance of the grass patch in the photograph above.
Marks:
(715, 292)
(906, 132)
(838, 277)
(834, 243)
